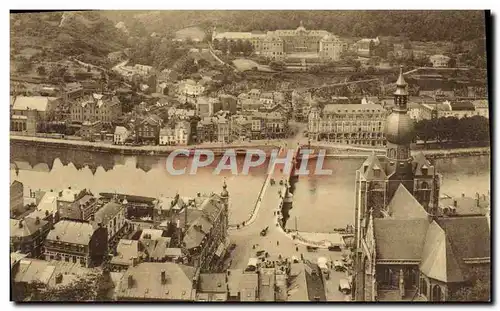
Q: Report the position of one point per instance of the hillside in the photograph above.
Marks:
(58, 35)
(416, 25)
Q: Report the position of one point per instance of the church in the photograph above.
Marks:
(406, 248)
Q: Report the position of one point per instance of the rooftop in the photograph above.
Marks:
(73, 232)
(39, 103)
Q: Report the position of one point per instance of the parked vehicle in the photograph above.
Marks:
(264, 231)
(344, 286)
(260, 253)
(338, 266)
(311, 248)
(232, 247)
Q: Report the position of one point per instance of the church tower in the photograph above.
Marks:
(399, 133)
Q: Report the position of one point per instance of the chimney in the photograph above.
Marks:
(186, 218)
(92, 217)
(134, 261)
(455, 203)
(163, 277)
(20, 223)
(130, 281)
(59, 278)
(37, 220)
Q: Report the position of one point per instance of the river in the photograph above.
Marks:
(320, 202)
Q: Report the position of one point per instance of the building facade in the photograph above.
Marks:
(348, 124)
(27, 235)
(77, 242)
(98, 107)
(76, 204)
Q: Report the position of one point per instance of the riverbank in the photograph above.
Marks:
(105, 147)
(332, 151)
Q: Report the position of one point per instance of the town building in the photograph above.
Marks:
(228, 103)
(47, 207)
(77, 242)
(439, 61)
(406, 249)
(47, 274)
(158, 281)
(30, 113)
(348, 124)
(16, 198)
(482, 107)
(189, 88)
(147, 129)
(241, 127)
(205, 239)
(212, 287)
(76, 204)
(206, 130)
(178, 135)
(128, 253)
(97, 107)
(91, 130)
(27, 235)
(331, 48)
(120, 136)
(279, 44)
(364, 47)
(445, 109)
(112, 217)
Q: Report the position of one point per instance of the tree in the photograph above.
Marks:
(357, 65)
(277, 65)
(41, 71)
(479, 288)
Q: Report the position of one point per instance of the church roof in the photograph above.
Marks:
(404, 205)
(372, 164)
(438, 259)
(399, 239)
(419, 162)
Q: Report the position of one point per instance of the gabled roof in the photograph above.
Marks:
(399, 239)
(370, 166)
(419, 162)
(39, 103)
(404, 205)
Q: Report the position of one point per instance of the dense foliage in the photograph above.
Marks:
(416, 25)
(61, 34)
(478, 290)
(452, 129)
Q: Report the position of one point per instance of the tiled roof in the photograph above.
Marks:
(25, 227)
(212, 283)
(48, 203)
(71, 232)
(469, 236)
(404, 205)
(438, 260)
(399, 239)
(146, 282)
(152, 234)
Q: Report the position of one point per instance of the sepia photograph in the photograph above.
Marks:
(242, 156)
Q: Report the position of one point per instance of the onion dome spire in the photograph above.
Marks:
(401, 84)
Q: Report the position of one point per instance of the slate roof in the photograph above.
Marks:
(107, 212)
(266, 285)
(212, 283)
(249, 283)
(297, 290)
(71, 232)
(233, 281)
(469, 236)
(126, 251)
(28, 227)
(404, 205)
(147, 284)
(399, 239)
